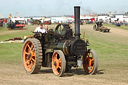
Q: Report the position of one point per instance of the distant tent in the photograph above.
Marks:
(72, 16)
(92, 19)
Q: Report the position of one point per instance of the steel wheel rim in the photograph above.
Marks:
(89, 62)
(56, 63)
(29, 56)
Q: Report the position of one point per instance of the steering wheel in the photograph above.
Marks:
(58, 29)
(61, 29)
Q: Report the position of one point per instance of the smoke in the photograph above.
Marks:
(87, 10)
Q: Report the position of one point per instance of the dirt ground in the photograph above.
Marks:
(14, 73)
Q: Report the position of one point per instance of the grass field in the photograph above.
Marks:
(111, 48)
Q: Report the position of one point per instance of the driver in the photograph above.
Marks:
(40, 29)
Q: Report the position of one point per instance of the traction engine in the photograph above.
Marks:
(59, 49)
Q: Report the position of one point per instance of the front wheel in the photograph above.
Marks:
(58, 63)
(90, 62)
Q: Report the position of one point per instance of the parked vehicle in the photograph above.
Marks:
(17, 24)
(1, 22)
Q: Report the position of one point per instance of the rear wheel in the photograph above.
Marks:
(94, 27)
(58, 63)
(32, 55)
(90, 62)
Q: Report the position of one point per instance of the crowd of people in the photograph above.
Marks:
(116, 22)
(119, 23)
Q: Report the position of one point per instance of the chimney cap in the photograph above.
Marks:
(76, 6)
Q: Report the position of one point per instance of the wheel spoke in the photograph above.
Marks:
(32, 63)
(26, 52)
(90, 69)
(59, 60)
(33, 53)
(25, 47)
(55, 58)
(59, 67)
(33, 59)
(92, 59)
(56, 55)
(56, 67)
(29, 47)
(58, 63)
(89, 62)
(28, 62)
(32, 47)
(30, 67)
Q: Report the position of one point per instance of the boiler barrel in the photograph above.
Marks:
(62, 45)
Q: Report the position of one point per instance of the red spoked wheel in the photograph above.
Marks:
(58, 63)
(32, 55)
(90, 62)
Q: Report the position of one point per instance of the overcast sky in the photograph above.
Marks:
(60, 7)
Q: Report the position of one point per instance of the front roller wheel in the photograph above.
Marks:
(32, 55)
(58, 63)
(90, 62)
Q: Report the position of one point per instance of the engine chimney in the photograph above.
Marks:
(77, 21)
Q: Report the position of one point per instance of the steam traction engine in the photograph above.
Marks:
(99, 27)
(17, 24)
(59, 49)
